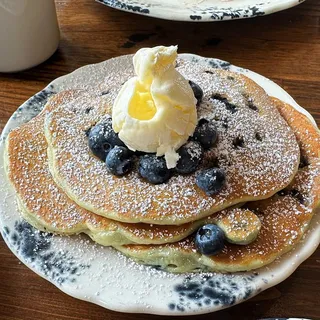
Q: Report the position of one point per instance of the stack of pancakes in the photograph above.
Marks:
(269, 151)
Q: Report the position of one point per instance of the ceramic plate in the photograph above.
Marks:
(201, 10)
(103, 276)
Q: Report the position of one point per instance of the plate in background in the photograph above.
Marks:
(202, 10)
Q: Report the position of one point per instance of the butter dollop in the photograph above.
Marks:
(155, 111)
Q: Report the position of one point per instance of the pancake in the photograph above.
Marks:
(45, 206)
(256, 148)
(284, 217)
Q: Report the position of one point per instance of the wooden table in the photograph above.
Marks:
(284, 47)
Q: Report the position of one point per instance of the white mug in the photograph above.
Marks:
(29, 33)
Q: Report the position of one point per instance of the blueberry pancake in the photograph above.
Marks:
(57, 213)
(44, 205)
(255, 154)
(244, 238)
(284, 217)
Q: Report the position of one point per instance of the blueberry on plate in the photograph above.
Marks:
(119, 161)
(154, 169)
(211, 181)
(190, 157)
(102, 139)
(197, 91)
(205, 133)
(209, 239)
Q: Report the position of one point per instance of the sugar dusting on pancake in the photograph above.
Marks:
(284, 217)
(44, 205)
(255, 147)
(302, 195)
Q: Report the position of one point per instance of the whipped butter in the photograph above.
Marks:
(155, 111)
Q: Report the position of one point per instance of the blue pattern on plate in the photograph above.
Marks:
(132, 6)
(213, 290)
(36, 247)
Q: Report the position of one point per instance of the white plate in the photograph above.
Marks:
(202, 10)
(99, 274)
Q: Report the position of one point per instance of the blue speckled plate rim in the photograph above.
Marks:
(301, 251)
(196, 13)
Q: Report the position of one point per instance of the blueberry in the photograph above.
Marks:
(209, 239)
(119, 161)
(205, 133)
(98, 144)
(102, 139)
(190, 157)
(211, 180)
(197, 91)
(154, 169)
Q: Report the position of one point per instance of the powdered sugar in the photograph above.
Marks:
(254, 170)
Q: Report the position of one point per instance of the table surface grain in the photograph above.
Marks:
(284, 47)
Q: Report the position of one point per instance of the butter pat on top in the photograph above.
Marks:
(155, 111)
